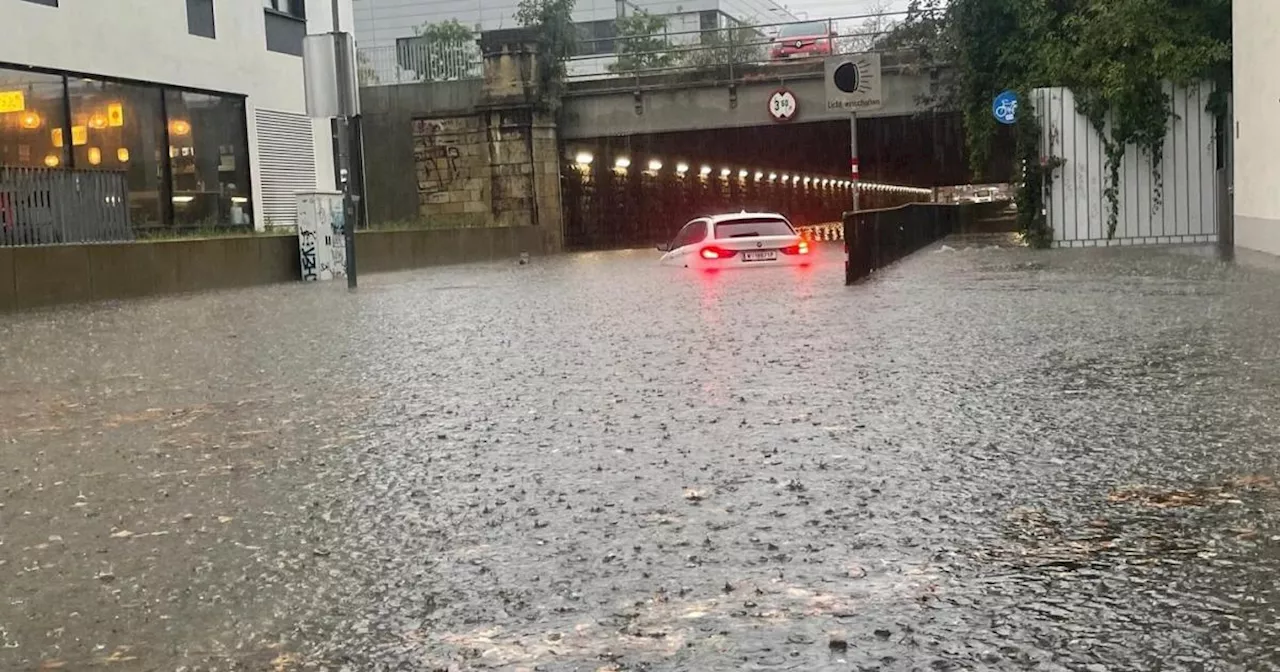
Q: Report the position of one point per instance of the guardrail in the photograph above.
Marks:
(42, 206)
(415, 60)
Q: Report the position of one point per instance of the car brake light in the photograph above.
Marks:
(801, 247)
(714, 252)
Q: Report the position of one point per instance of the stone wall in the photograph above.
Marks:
(494, 168)
(487, 157)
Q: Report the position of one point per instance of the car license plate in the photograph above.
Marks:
(766, 255)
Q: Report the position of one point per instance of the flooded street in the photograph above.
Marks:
(996, 459)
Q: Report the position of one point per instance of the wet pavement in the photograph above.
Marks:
(980, 459)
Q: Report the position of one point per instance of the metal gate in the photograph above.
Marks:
(1180, 203)
(43, 206)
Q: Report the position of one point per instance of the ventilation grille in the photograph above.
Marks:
(287, 162)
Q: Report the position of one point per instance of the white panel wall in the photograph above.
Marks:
(1255, 25)
(1182, 207)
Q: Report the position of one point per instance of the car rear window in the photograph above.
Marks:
(749, 228)
(813, 29)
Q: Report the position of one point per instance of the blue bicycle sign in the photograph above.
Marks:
(1005, 107)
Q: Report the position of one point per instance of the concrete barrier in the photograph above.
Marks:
(55, 274)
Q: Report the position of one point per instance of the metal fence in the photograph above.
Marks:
(666, 50)
(417, 60)
(737, 48)
(42, 206)
(873, 239)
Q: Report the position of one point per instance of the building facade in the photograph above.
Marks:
(199, 103)
(1256, 136)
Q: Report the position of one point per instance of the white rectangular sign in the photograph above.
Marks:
(853, 82)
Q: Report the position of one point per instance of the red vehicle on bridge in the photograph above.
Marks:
(804, 40)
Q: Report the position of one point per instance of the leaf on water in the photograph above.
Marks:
(225, 519)
(122, 534)
(284, 662)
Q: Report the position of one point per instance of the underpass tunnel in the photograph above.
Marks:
(638, 190)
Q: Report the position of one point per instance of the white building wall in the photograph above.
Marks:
(147, 40)
(1257, 135)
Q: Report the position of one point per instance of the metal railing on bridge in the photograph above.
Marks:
(42, 206)
(723, 51)
(733, 50)
(414, 60)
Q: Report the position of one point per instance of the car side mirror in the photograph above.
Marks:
(664, 247)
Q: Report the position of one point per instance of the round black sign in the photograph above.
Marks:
(847, 78)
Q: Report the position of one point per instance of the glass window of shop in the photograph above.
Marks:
(210, 160)
(31, 110)
(118, 126)
(185, 155)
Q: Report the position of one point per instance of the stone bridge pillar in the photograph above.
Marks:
(519, 137)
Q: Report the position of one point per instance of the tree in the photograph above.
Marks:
(552, 21)
(739, 43)
(439, 51)
(642, 43)
(871, 32)
(366, 73)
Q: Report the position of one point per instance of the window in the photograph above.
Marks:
(811, 29)
(693, 232)
(33, 116)
(120, 127)
(189, 168)
(294, 8)
(200, 18)
(286, 25)
(596, 37)
(209, 160)
(750, 228)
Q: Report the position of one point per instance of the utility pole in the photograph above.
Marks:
(854, 168)
(347, 127)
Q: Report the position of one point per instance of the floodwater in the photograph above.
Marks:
(996, 459)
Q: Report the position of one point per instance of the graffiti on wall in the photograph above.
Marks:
(436, 153)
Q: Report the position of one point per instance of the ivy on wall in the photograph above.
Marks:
(1115, 55)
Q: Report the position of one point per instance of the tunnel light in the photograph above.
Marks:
(622, 163)
(682, 168)
(584, 158)
(705, 171)
(743, 174)
(759, 175)
(724, 172)
(806, 179)
(773, 176)
(795, 179)
(785, 177)
(655, 165)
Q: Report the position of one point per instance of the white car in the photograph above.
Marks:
(740, 240)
